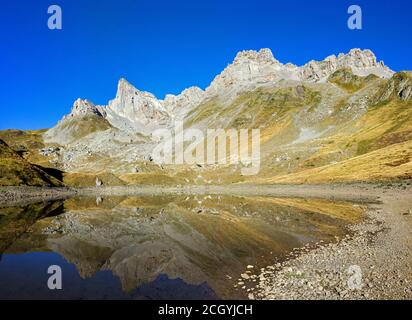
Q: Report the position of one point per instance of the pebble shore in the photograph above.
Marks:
(374, 261)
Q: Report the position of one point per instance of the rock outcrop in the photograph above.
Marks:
(84, 107)
(360, 62)
(84, 118)
(398, 87)
(178, 106)
(251, 69)
(136, 110)
(259, 68)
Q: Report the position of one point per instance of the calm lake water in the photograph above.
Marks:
(160, 247)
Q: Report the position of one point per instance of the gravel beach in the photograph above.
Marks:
(373, 262)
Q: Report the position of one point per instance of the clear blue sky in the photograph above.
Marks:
(166, 46)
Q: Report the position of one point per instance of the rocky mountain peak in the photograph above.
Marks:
(84, 107)
(357, 59)
(135, 109)
(187, 94)
(125, 88)
(249, 69)
(361, 58)
(179, 105)
(124, 85)
(360, 62)
(263, 55)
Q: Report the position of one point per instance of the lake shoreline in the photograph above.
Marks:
(349, 191)
(353, 268)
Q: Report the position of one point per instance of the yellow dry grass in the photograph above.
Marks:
(81, 179)
(390, 163)
(148, 178)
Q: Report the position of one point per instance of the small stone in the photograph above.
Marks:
(98, 182)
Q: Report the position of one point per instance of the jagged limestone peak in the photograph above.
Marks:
(83, 107)
(360, 62)
(179, 105)
(133, 110)
(263, 55)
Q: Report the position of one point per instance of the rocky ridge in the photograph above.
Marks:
(84, 107)
(361, 62)
(310, 114)
(139, 111)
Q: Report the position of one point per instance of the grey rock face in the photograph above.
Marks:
(251, 69)
(178, 106)
(84, 107)
(361, 62)
(400, 85)
(134, 109)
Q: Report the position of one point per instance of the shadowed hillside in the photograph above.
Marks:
(15, 171)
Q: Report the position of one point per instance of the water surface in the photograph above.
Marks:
(160, 247)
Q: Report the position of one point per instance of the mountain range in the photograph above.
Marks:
(346, 118)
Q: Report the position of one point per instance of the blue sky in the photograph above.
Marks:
(166, 46)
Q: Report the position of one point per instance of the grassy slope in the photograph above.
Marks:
(15, 170)
(390, 163)
(345, 79)
(81, 179)
(261, 108)
(27, 143)
(70, 130)
(387, 122)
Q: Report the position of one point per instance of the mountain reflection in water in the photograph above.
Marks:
(159, 247)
